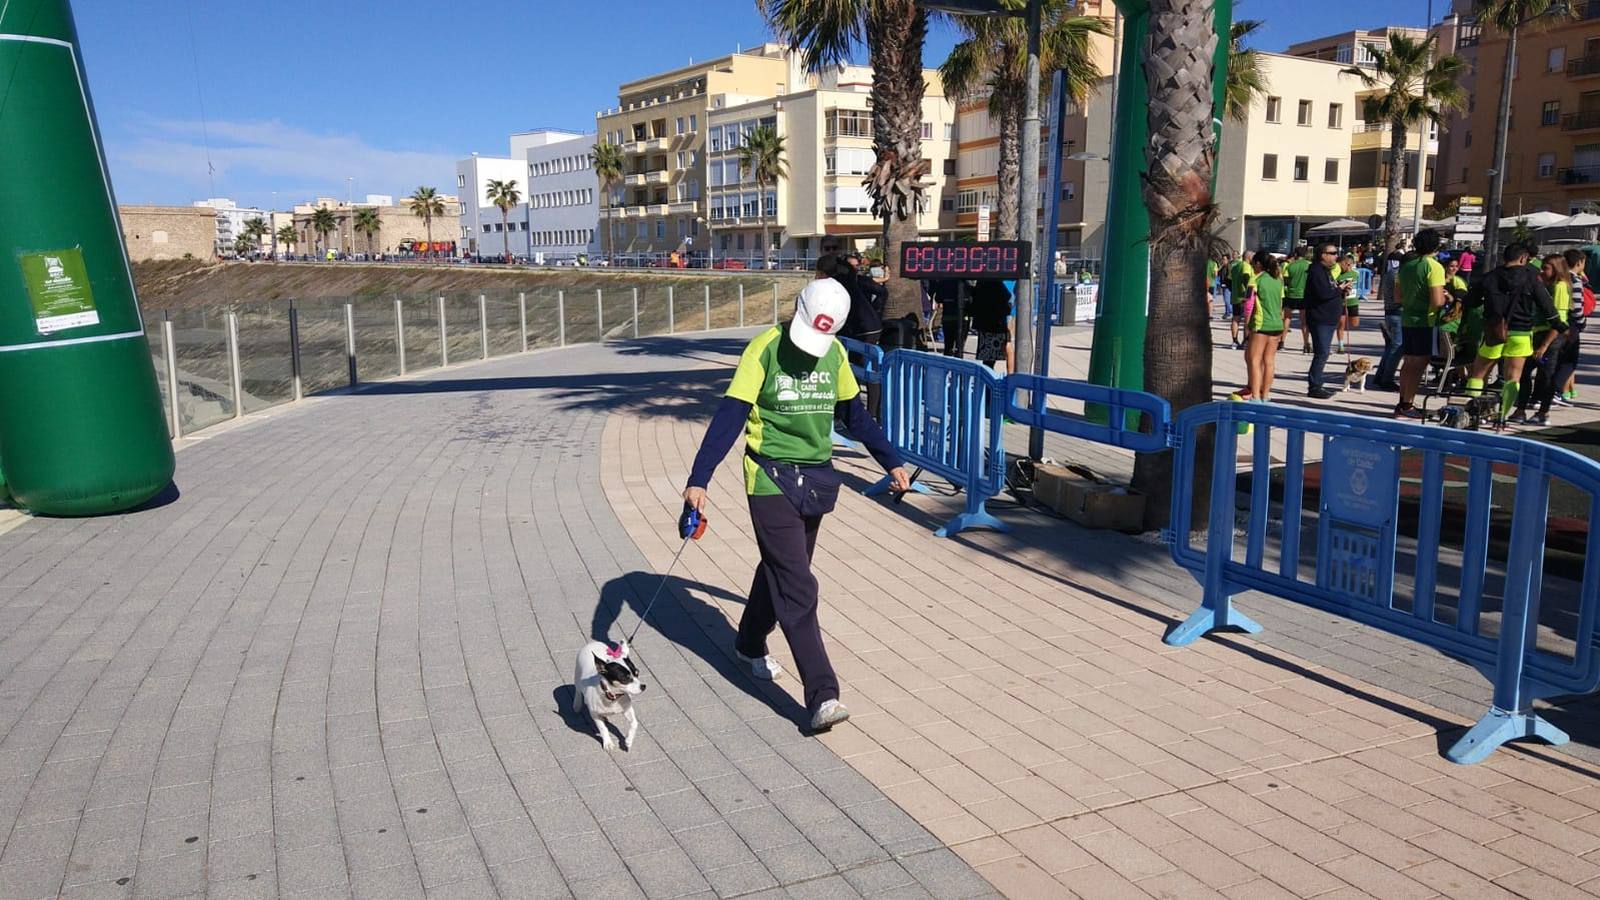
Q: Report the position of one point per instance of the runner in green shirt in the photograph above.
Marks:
(1266, 328)
(1295, 275)
(1420, 283)
(1240, 275)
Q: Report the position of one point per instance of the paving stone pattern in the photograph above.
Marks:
(339, 663)
(1011, 692)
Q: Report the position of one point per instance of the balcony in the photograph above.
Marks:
(1579, 175)
(656, 209)
(634, 179)
(1584, 66)
(1581, 121)
(659, 176)
(632, 212)
(658, 144)
(682, 207)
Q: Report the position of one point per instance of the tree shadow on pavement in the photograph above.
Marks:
(682, 616)
(672, 394)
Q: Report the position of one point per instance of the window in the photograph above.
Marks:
(461, 181)
(694, 189)
(683, 159)
(715, 171)
(949, 131)
(749, 205)
(693, 119)
(680, 124)
(1550, 112)
(694, 158)
(927, 131)
(644, 229)
(1302, 168)
(1547, 165)
(661, 228)
(1303, 117)
(949, 205)
(966, 201)
(1269, 167)
(1556, 59)
(949, 167)
(1335, 115)
(1466, 139)
(848, 123)
(770, 204)
(740, 240)
(1274, 109)
(716, 140)
(1330, 171)
(1069, 190)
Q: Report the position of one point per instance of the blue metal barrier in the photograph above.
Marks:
(944, 415)
(1363, 282)
(1118, 401)
(1356, 519)
(868, 371)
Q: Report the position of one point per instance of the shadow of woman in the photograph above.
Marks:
(682, 616)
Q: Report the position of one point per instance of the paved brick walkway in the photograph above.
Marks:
(1012, 693)
(336, 666)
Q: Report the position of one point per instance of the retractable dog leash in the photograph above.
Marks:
(692, 525)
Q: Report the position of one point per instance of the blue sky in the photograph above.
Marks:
(299, 95)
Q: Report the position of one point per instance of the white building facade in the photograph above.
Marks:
(563, 196)
(231, 219)
(479, 220)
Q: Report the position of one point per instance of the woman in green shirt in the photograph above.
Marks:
(1266, 328)
(1347, 279)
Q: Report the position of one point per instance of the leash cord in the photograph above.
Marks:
(663, 583)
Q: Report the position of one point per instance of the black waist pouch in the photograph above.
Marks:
(813, 489)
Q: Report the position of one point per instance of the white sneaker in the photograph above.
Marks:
(763, 667)
(831, 713)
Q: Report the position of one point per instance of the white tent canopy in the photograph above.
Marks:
(1340, 226)
(1580, 220)
(1534, 220)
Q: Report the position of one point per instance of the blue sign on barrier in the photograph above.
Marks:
(944, 415)
(1356, 564)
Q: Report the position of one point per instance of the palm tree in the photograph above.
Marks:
(994, 57)
(1509, 17)
(761, 156)
(504, 194)
(606, 160)
(426, 203)
(288, 237)
(255, 230)
(1179, 62)
(368, 222)
(825, 31)
(1246, 82)
(323, 221)
(242, 245)
(1411, 87)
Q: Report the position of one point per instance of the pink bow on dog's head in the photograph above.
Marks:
(615, 651)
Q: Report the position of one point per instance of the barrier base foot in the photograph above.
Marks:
(978, 519)
(1496, 728)
(1203, 620)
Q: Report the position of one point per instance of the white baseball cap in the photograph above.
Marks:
(818, 315)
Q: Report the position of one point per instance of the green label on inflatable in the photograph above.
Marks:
(58, 284)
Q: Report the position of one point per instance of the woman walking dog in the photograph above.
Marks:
(790, 383)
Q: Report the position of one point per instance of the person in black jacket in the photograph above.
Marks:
(951, 297)
(991, 310)
(1514, 300)
(1324, 304)
(865, 323)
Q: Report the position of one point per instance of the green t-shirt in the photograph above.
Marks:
(1268, 315)
(1295, 275)
(1561, 297)
(1347, 280)
(1416, 281)
(1458, 286)
(1239, 276)
(791, 395)
(1211, 271)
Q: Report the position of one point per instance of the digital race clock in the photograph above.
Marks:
(990, 260)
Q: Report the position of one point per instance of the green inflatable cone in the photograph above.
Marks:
(81, 424)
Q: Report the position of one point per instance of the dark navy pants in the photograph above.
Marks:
(784, 594)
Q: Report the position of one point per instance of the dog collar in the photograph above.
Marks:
(608, 695)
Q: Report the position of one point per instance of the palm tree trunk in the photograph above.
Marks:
(1497, 181)
(1009, 172)
(1180, 156)
(766, 235)
(1397, 158)
(505, 229)
(895, 34)
(427, 224)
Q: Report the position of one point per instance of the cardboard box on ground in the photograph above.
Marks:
(1083, 496)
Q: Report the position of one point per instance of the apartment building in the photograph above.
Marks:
(1553, 144)
(1086, 132)
(826, 124)
(231, 221)
(661, 123)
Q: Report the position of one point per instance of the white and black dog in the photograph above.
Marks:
(605, 682)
